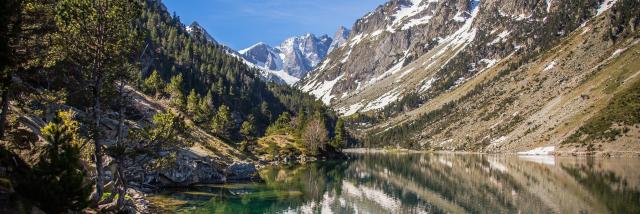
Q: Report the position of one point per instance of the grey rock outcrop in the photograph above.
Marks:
(426, 46)
(241, 171)
(339, 38)
(188, 169)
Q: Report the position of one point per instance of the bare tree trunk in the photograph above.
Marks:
(5, 111)
(97, 143)
(122, 105)
(97, 76)
(101, 6)
(122, 184)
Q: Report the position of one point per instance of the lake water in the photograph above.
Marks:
(427, 183)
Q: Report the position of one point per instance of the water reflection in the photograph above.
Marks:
(427, 183)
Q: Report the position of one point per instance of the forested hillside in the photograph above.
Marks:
(133, 100)
(190, 64)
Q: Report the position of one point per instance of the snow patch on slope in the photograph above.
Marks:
(550, 66)
(383, 101)
(540, 151)
(416, 22)
(264, 72)
(288, 79)
(426, 85)
(350, 110)
(408, 11)
(606, 5)
(322, 91)
(394, 69)
(500, 37)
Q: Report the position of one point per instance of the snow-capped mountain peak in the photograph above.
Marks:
(197, 30)
(255, 46)
(292, 59)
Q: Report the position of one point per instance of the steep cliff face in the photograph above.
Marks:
(302, 54)
(339, 38)
(440, 74)
(469, 34)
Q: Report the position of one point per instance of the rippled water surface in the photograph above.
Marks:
(427, 183)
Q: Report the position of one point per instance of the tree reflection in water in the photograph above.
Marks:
(426, 183)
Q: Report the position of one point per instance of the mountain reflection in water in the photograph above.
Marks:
(426, 183)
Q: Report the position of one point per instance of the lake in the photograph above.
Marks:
(426, 183)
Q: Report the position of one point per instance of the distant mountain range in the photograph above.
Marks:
(293, 58)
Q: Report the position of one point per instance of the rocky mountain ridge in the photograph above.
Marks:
(196, 29)
(410, 60)
(339, 38)
(293, 58)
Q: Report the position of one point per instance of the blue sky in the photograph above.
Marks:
(242, 23)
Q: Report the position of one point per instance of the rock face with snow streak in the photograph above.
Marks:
(292, 59)
(431, 46)
(339, 38)
(488, 75)
(302, 54)
(263, 56)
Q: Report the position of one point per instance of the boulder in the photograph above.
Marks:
(188, 171)
(241, 171)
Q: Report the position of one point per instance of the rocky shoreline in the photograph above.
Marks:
(560, 153)
(184, 174)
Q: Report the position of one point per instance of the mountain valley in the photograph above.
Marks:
(118, 106)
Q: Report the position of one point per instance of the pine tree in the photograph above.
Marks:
(248, 128)
(281, 126)
(192, 102)
(203, 112)
(58, 179)
(97, 35)
(222, 124)
(220, 87)
(284, 120)
(205, 107)
(300, 121)
(154, 84)
(166, 129)
(174, 89)
(265, 111)
(340, 138)
(208, 100)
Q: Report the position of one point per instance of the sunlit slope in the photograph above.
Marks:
(516, 105)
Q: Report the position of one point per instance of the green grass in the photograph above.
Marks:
(391, 149)
(623, 109)
(107, 194)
